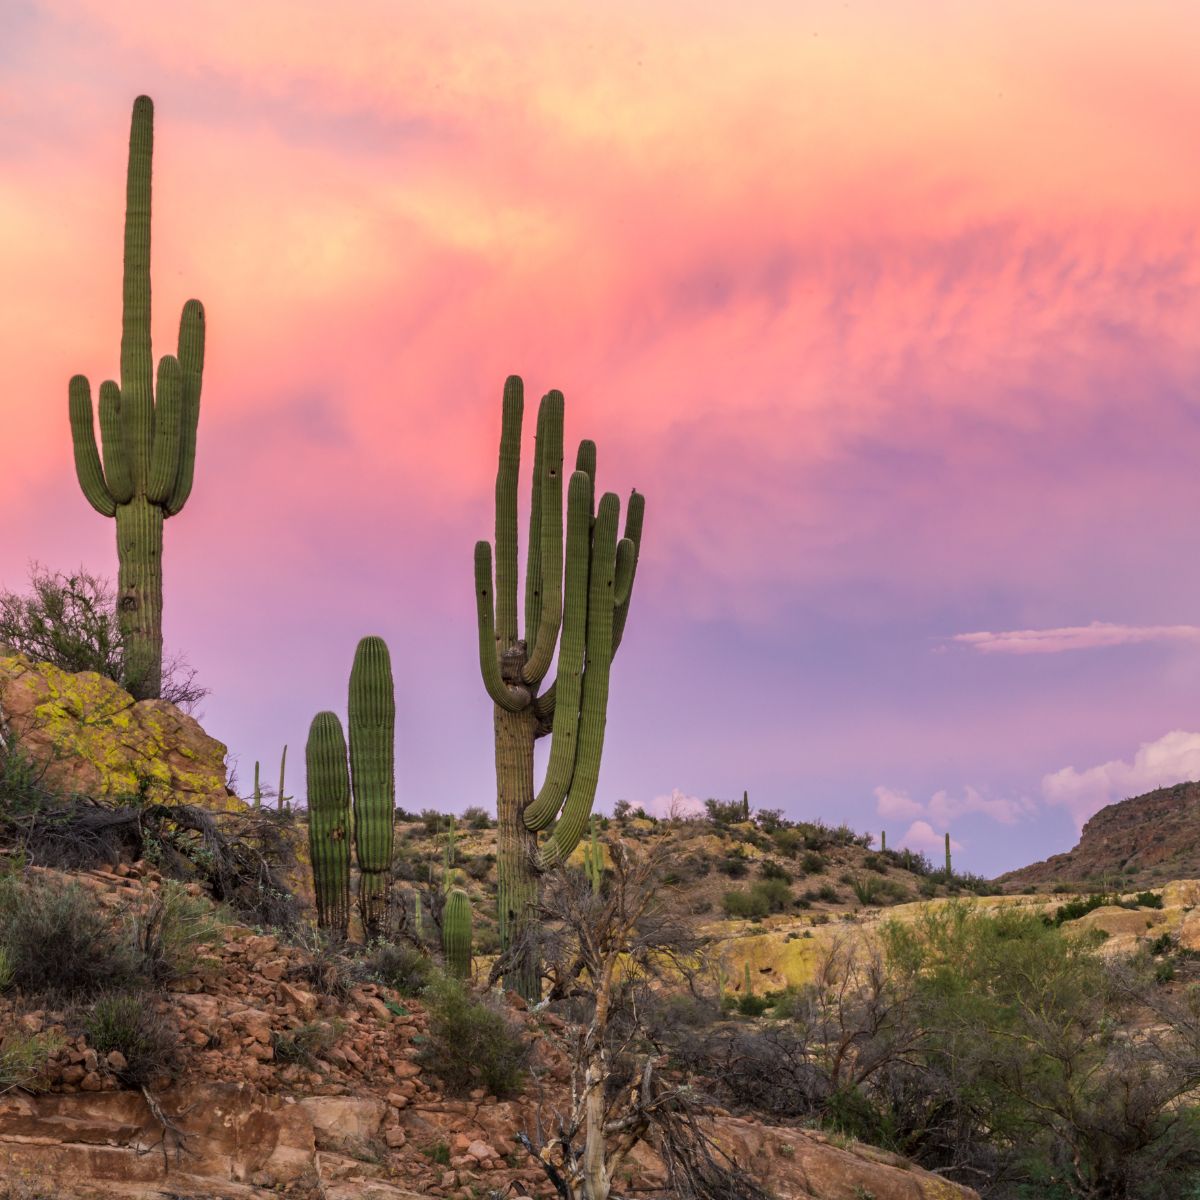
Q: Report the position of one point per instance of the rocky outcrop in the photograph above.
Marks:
(1146, 840)
(96, 740)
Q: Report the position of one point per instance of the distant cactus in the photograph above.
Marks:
(373, 774)
(883, 840)
(449, 855)
(456, 933)
(581, 612)
(329, 821)
(745, 806)
(749, 983)
(148, 430)
(593, 860)
(949, 868)
(257, 787)
(282, 798)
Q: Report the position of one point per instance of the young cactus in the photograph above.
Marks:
(373, 775)
(329, 821)
(147, 428)
(456, 933)
(576, 601)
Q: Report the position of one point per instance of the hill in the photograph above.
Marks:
(1139, 842)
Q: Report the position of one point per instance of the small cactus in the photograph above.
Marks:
(593, 860)
(745, 806)
(949, 868)
(883, 840)
(456, 933)
(749, 983)
(283, 799)
(257, 787)
(329, 821)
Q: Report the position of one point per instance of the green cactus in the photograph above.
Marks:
(749, 982)
(456, 933)
(449, 855)
(257, 787)
(283, 799)
(418, 922)
(148, 430)
(883, 840)
(373, 774)
(329, 821)
(745, 806)
(593, 860)
(587, 604)
(949, 868)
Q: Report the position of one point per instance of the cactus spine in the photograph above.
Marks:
(456, 933)
(373, 774)
(329, 821)
(580, 609)
(949, 869)
(148, 430)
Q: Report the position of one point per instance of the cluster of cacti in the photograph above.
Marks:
(593, 860)
(582, 594)
(371, 781)
(148, 430)
(456, 933)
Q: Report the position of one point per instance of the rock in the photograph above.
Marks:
(340, 1119)
(95, 739)
(480, 1151)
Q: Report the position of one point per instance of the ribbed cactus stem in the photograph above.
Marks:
(372, 771)
(456, 933)
(749, 988)
(328, 786)
(148, 430)
(949, 868)
(883, 840)
(257, 787)
(576, 601)
(593, 858)
(745, 806)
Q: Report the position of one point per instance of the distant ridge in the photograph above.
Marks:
(1141, 841)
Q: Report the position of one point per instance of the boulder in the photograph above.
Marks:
(96, 740)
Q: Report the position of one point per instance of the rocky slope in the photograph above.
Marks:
(1143, 841)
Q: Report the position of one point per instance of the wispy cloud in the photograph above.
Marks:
(943, 806)
(920, 835)
(1173, 758)
(1074, 637)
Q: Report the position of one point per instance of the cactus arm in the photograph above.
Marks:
(634, 515)
(623, 578)
(164, 456)
(543, 617)
(87, 457)
(328, 786)
(456, 933)
(585, 461)
(112, 433)
(191, 365)
(506, 512)
(594, 703)
(373, 775)
(571, 659)
(137, 364)
(511, 699)
(545, 704)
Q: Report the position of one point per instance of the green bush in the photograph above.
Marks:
(813, 863)
(476, 818)
(400, 966)
(745, 905)
(770, 869)
(172, 930)
(60, 943)
(130, 1023)
(472, 1043)
(306, 1042)
(750, 1005)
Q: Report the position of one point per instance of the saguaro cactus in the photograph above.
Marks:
(587, 603)
(949, 867)
(329, 821)
(593, 860)
(148, 431)
(373, 773)
(456, 933)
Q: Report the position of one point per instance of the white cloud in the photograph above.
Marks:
(1074, 637)
(1174, 758)
(675, 803)
(942, 808)
(922, 836)
(890, 803)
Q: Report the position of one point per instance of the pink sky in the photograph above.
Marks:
(891, 310)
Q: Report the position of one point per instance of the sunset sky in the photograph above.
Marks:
(890, 308)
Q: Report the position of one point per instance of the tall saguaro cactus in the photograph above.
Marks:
(373, 773)
(576, 601)
(329, 821)
(147, 427)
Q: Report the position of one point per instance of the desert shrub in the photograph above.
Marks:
(621, 809)
(771, 820)
(71, 622)
(476, 818)
(734, 865)
(875, 862)
(432, 821)
(60, 943)
(827, 894)
(1149, 900)
(131, 1024)
(813, 863)
(788, 841)
(750, 1005)
(399, 966)
(306, 1042)
(724, 812)
(871, 890)
(745, 905)
(23, 1057)
(172, 930)
(909, 860)
(6, 973)
(479, 866)
(472, 1043)
(770, 869)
